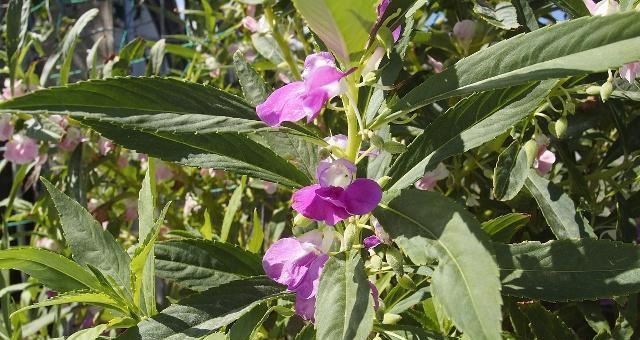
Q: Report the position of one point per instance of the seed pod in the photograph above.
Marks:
(531, 149)
(391, 319)
(301, 221)
(382, 181)
(606, 90)
(593, 90)
(561, 127)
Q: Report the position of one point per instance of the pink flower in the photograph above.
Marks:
(630, 71)
(71, 139)
(270, 187)
(190, 205)
(122, 161)
(464, 31)
(21, 150)
(255, 26)
(60, 120)
(297, 263)
(17, 89)
(338, 194)
(143, 157)
(544, 159)
(105, 146)
(130, 209)
(204, 172)
(6, 128)
(602, 8)
(46, 243)
(306, 98)
(339, 141)
(431, 178)
(436, 65)
(163, 172)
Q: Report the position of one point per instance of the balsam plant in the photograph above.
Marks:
(431, 169)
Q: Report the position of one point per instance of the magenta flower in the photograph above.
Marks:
(630, 71)
(21, 150)
(6, 128)
(305, 98)
(297, 263)
(380, 236)
(338, 195)
(431, 178)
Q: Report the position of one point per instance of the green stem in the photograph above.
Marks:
(284, 47)
(354, 139)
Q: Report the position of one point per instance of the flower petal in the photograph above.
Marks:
(316, 60)
(361, 196)
(306, 307)
(308, 286)
(371, 241)
(287, 262)
(283, 105)
(318, 203)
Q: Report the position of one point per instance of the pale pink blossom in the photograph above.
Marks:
(464, 31)
(431, 178)
(270, 187)
(122, 161)
(18, 89)
(105, 146)
(60, 120)
(130, 209)
(544, 161)
(255, 26)
(6, 128)
(206, 172)
(46, 243)
(602, 8)
(630, 71)
(21, 150)
(435, 65)
(71, 139)
(163, 172)
(190, 205)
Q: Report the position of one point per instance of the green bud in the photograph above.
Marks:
(552, 128)
(391, 319)
(406, 282)
(561, 127)
(531, 149)
(394, 147)
(593, 90)
(606, 90)
(301, 221)
(350, 234)
(395, 260)
(382, 181)
(570, 107)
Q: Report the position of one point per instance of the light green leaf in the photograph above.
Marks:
(502, 229)
(16, 25)
(90, 244)
(53, 270)
(257, 235)
(469, 124)
(232, 208)
(343, 26)
(254, 88)
(69, 43)
(565, 49)
(203, 313)
(565, 270)
(344, 305)
(92, 58)
(89, 333)
(510, 172)
(503, 15)
(466, 281)
(558, 208)
(175, 121)
(86, 297)
(246, 325)
(267, 46)
(145, 277)
(201, 264)
(544, 324)
(131, 51)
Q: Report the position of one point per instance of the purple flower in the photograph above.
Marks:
(544, 159)
(338, 194)
(339, 141)
(435, 65)
(380, 236)
(297, 263)
(300, 99)
(371, 241)
(105, 146)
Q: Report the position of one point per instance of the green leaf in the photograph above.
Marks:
(70, 41)
(574, 7)
(92, 58)
(90, 244)
(232, 209)
(131, 51)
(144, 282)
(203, 313)
(502, 229)
(466, 281)
(201, 264)
(565, 49)
(567, 270)
(245, 326)
(53, 270)
(503, 15)
(558, 208)
(42, 128)
(254, 88)
(267, 46)
(510, 172)
(87, 297)
(343, 26)
(89, 333)
(526, 15)
(544, 324)
(145, 276)
(344, 306)
(175, 121)
(17, 23)
(257, 234)
(469, 124)
(410, 333)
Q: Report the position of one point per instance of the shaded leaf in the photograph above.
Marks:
(510, 172)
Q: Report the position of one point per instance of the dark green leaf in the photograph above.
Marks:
(503, 15)
(502, 229)
(544, 324)
(510, 172)
(526, 16)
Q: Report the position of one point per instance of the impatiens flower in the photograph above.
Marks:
(21, 150)
(204, 172)
(464, 31)
(338, 195)
(435, 65)
(163, 172)
(122, 161)
(380, 236)
(105, 146)
(602, 8)
(297, 263)
(71, 139)
(305, 98)
(60, 120)
(255, 26)
(46, 243)
(544, 159)
(630, 71)
(17, 89)
(431, 178)
(190, 205)
(6, 128)
(339, 141)
(130, 209)
(270, 187)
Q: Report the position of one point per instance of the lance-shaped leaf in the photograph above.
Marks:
(147, 227)
(203, 313)
(466, 281)
(558, 208)
(86, 297)
(90, 244)
(176, 121)
(254, 88)
(545, 324)
(344, 306)
(576, 8)
(201, 264)
(564, 270)
(471, 123)
(51, 269)
(343, 26)
(510, 172)
(16, 24)
(566, 49)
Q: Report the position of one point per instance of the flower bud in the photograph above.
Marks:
(606, 90)
(324, 153)
(561, 127)
(531, 149)
(395, 260)
(391, 319)
(301, 221)
(593, 90)
(382, 181)
(350, 235)
(376, 262)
